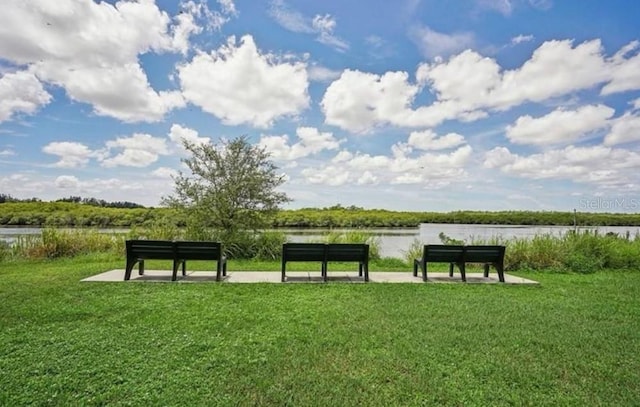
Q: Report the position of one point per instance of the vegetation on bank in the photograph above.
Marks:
(573, 340)
(73, 214)
(582, 252)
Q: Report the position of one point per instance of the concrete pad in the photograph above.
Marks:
(302, 277)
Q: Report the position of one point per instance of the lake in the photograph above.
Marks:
(395, 241)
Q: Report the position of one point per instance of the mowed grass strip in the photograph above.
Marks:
(573, 340)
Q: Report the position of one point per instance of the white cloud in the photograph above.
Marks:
(559, 126)
(429, 140)
(72, 154)
(321, 25)
(67, 182)
(164, 173)
(239, 85)
(624, 129)
(178, 133)
(321, 73)
(62, 46)
(359, 101)
(139, 150)
(519, 39)
(400, 167)
(21, 92)
(324, 25)
(7, 152)
(603, 166)
(312, 141)
(625, 70)
(434, 44)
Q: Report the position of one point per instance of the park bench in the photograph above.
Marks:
(489, 255)
(455, 255)
(178, 252)
(436, 253)
(324, 253)
(195, 250)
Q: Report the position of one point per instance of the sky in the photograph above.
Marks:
(419, 105)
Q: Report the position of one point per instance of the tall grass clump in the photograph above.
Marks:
(415, 251)
(54, 243)
(355, 236)
(574, 251)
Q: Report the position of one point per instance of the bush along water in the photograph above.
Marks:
(579, 252)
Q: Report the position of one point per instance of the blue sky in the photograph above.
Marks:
(406, 105)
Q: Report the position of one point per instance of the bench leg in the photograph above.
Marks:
(366, 272)
(486, 270)
(128, 269)
(174, 274)
(282, 278)
(415, 267)
(450, 269)
(141, 267)
(324, 271)
(500, 268)
(218, 271)
(424, 271)
(184, 267)
(463, 272)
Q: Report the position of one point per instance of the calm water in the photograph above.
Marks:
(394, 242)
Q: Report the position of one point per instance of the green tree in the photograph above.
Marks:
(232, 188)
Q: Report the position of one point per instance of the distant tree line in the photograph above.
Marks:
(36, 213)
(4, 198)
(100, 202)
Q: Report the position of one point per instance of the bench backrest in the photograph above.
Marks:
(149, 249)
(484, 254)
(348, 252)
(443, 253)
(303, 252)
(195, 250)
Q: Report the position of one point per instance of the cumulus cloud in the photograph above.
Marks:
(559, 126)
(599, 165)
(400, 167)
(139, 150)
(429, 140)
(240, 85)
(67, 182)
(624, 129)
(72, 154)
(178, 134)
(360, 101)
(21, 92)
(61, 45)
(311, 141)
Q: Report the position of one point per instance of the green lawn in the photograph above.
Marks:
(573, 340)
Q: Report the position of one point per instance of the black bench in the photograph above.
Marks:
(177, 251)
(195, 250)
(455, 255)
(436, 253)
(489, 255)
(324, 253)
